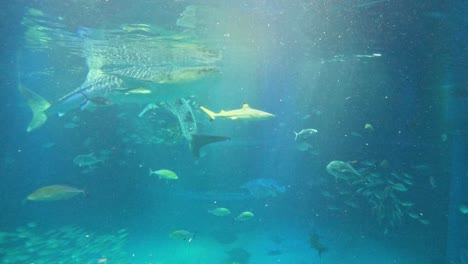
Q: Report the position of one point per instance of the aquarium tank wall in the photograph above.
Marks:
(223, 132)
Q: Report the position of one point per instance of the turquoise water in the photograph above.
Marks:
(361, 162)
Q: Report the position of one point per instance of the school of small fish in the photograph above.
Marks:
(373, 187)
(68, 244)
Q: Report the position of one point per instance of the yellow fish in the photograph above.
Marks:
(164, 174)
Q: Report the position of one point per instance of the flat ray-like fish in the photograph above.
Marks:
(183, 111)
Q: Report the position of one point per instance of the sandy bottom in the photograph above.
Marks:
(264, 247)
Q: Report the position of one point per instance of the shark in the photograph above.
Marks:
(124, 66)
(246, 112)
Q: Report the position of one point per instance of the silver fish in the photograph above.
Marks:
(305, 133)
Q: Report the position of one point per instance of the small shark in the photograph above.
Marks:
(246, 112)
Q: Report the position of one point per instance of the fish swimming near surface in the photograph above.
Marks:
(54, 193)
(246, 113)
(305, 133)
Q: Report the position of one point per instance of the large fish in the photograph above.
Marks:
(120, 62)
(54, 193)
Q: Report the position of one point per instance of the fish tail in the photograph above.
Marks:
(151, 172)
(198, 141)
(211, 114)
(38, 106)
(297, 134)
(84, 104)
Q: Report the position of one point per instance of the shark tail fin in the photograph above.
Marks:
(198, 141)
(38, 106)
(211, 114)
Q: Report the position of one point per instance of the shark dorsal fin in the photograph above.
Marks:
(245, 106)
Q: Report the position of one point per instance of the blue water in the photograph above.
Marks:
(334, 66)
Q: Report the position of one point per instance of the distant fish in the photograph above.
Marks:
(220, 211)
(54, 193)
(342, 170)
(399, 187)
(164, 174)
(244, 216)
(139, 91)
(463, 208)
(263, 188)
(305, 133)
(88, 160)
(368, 127)
(424, 221)
(182, 235)
(97, 100)
(316, 244)
(246, 112)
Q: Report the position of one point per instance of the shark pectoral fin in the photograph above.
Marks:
(38, 106)
(233, 117)
(198, 141)
(211, 114)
